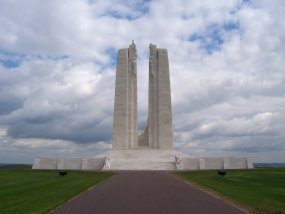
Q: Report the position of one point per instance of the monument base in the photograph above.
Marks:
(143, 159)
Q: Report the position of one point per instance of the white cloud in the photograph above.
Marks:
(227, 73)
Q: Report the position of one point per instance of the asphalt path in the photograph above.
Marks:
(137, 192)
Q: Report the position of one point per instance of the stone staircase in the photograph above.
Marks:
(139, 165)
(141, 159)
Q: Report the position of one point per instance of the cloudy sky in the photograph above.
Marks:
(58, 63)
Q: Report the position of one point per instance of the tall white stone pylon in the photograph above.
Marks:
(159, 129)
(125, 106)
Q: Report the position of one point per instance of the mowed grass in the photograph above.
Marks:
(260, 190)
(32, 191)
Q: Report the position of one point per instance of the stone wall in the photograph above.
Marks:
(69, 163)
(215, 163)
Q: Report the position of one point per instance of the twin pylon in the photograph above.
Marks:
(158, 133)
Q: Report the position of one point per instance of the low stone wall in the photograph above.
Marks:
(93, 163)
(69, 163)
(211, 163)
(143, 160)
(45, 163)
(190, 163)
(236, 163)
(215, 163)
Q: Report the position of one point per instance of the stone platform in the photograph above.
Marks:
(143, 159)
(148, 159)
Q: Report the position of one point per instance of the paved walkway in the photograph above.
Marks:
(147, 193)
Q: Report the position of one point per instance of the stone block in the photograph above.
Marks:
(190, 163)
(214, 163)
(93, 164)
(235, 163)
(69, 164)
(45, 163)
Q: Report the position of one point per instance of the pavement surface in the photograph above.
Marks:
(137, 192)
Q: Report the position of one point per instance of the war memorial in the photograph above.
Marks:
(152, 149)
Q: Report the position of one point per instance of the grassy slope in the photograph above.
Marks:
(261, 189)
(29, 191)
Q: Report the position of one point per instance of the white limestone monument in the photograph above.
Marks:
(159, 126)
(158, 133)
(125, 111)
(152, 149)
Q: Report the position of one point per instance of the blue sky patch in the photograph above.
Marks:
(240, 5)
(247, 1)
(10, 63)
(138, 9)
(112, 52)
(231, 26)
(211, 40)
(12, 60)
(55, 58)
(117, 15)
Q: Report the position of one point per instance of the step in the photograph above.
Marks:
(142, 166)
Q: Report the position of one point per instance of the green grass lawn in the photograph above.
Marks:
(34, 191)
(262, 190)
